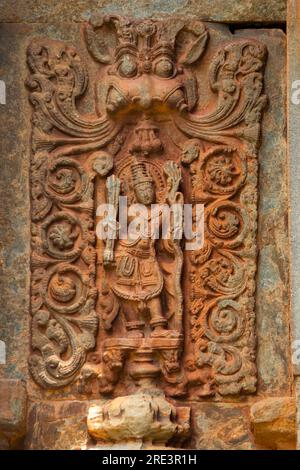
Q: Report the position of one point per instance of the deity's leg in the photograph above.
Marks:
(134, 324)
(158, 322)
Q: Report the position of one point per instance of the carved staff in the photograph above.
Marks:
(175, 200)
(113, 193)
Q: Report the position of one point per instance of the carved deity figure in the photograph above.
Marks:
(134, 273)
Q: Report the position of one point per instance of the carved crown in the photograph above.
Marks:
(140, 173)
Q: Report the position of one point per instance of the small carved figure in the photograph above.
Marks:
(134, 273)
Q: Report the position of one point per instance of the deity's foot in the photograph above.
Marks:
(160, 332)
(135, 334)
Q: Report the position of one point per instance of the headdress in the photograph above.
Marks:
(139, 173)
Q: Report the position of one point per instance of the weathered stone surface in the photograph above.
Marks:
(272, 291)
(293, 59)
(273, 421)
(297, 390)
(57, 425)
(208, 10)
(221, 427)
(13, 408)
(14, 212)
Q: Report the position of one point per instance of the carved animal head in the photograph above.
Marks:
(148, 61)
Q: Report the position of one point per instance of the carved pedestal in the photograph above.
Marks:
(146, 417)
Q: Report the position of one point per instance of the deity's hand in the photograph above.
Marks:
(108, 256)
(102, 163)
(173, 173)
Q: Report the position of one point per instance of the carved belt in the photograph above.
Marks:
(139, 253)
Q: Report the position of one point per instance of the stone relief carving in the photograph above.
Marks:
(106, 311)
